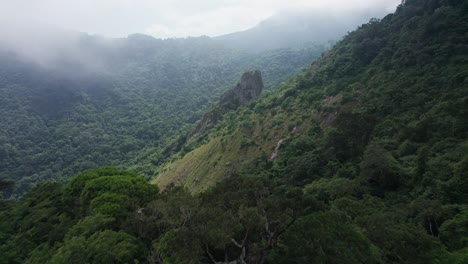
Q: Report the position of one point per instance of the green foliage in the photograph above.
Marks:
(73, 251)
(371, 168)
(106, 247)
(351, 132)
(454, 232)
(179, 246)
(397, 240)
(325, 237)
(457, 257)
(240, 219)
(59, 121)
(89, 225)
(46, 226)
(107, 191)
(108, 204)
(375, 129)
(245, 142)
(327, 190)
(379, 168)
(113, 247)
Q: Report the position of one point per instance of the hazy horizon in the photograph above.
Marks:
(46, 32)
(167, 19)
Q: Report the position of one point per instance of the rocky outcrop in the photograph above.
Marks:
(249, 88)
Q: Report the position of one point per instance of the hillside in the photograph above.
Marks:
(293, 28)
(361, 158)
(393, 78)
(381, 118)
(115, 101)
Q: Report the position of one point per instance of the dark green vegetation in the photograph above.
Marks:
(376, 129)
(140, 95)
(372, 168)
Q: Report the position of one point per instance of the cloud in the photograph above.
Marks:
(46, 32)
(230, 16)
(166, 18)
(213, 22)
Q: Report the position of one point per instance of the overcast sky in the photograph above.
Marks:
(163, 18)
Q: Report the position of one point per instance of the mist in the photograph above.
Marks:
(60, 35)
(50, 47)
(293, 27)
(166, 19)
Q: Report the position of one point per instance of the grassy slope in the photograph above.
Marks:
(406, 73)
(242, 137)
(56, 123)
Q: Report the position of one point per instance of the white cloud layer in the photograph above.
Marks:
(165, 18)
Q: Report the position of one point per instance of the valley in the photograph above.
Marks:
(188, 151)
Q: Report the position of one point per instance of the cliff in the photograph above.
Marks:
(249, 88)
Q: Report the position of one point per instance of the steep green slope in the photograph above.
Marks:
(399, 84)
(371, 168)
(240, 138)
(65, 117)
(376, 129)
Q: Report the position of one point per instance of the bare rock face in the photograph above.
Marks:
(249, 87)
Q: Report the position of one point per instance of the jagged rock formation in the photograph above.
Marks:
(249, 88)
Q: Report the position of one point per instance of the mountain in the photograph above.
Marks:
(377, 123)
(294, 28)
(374, 76)
(74, 101)
(93, 101)
(249, 88)
(361, 158)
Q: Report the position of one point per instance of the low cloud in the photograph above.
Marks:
(166, 18)
(47, 32)
(51, 47)
(211, 23)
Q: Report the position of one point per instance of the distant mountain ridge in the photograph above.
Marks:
(93, 101)
(360, 158)
(349, 80)
(294, 28)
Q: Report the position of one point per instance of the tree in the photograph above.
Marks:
(454, 232)
(379, 168)
(324, 237)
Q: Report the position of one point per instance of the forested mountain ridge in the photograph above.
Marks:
(392, 74)
(74, 101)
(370, 166)
(293, 28)
(381, 118)
(119, 104)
